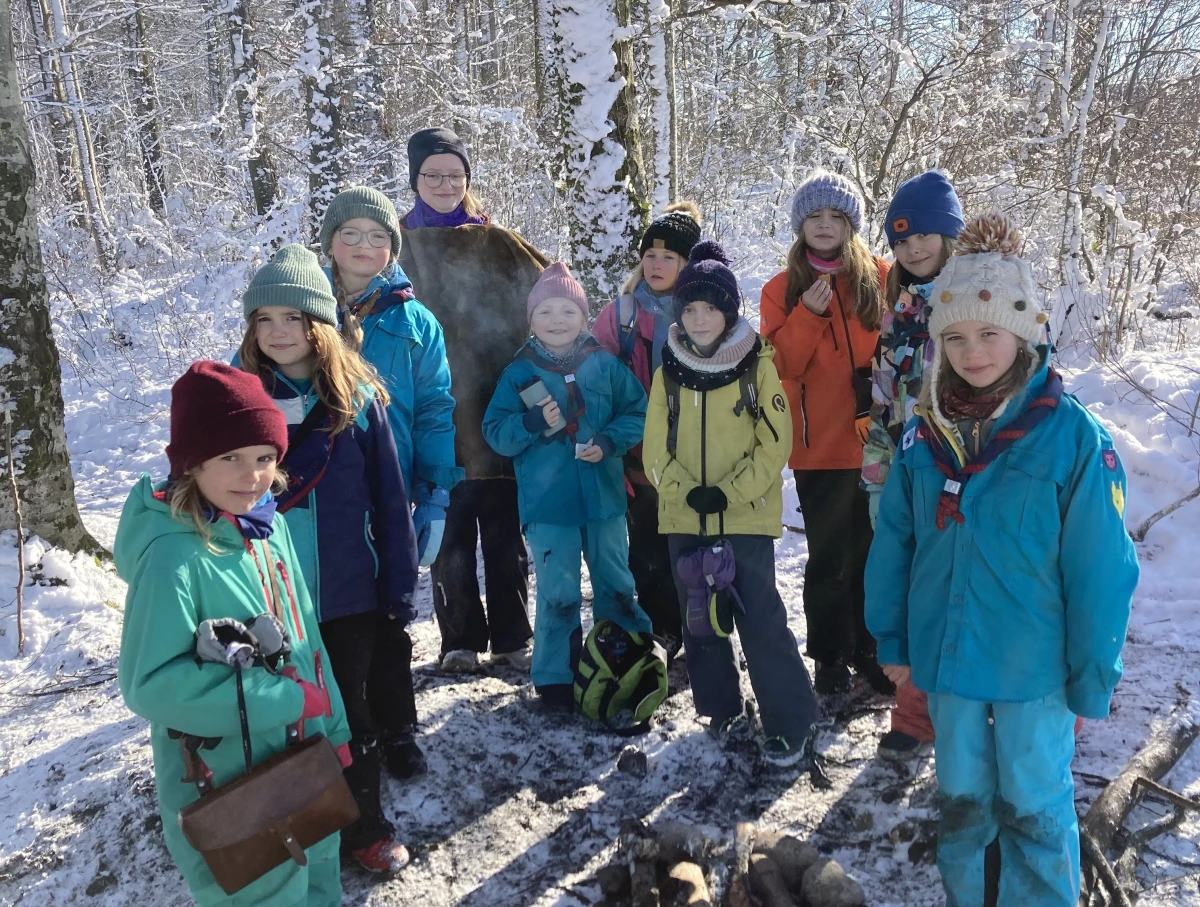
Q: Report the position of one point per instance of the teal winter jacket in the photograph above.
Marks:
(552, 485)
(175, 583)
(1032, 592)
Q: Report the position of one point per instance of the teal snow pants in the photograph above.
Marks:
(1004, 769)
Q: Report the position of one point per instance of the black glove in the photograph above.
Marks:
(705, 500)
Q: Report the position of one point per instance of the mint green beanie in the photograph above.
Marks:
(360, 201)
(292, 278)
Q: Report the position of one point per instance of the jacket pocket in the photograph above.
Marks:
(1025, 497)
(369, 538)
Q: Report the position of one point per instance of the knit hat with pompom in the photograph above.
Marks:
(677, 230)
(707, 277)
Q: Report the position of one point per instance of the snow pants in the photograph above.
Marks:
(1004, 769)
(786, 702)
(557, 629)
(483, 511)
(650, 563)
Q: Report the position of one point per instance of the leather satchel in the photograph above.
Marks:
(269, 815)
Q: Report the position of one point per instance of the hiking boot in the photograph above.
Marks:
(557, 698)
(731, 730)
(867, 667)
(783, 752)
(460, 661)
(386, 856)
(832, 679)
(520, 659)
(897, 746)
(403, 757)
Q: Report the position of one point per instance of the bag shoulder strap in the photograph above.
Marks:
(315, 417)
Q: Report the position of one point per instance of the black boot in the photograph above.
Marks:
(403, 757)
(867, 667)
(832, 679)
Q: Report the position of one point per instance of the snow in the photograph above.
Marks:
(520, 808)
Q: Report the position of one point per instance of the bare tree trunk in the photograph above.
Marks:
(29, 369)
(263, 183)
(145, 106)
(319, 77)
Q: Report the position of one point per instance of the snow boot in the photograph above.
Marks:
(402, 755)
(833, 678)
(460, 661)
(897, 746)
(557, 698)
(867, 667)
(386, 855)
(520, 659)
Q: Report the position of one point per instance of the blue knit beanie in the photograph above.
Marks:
(823, 189)
(707, 276)
(924, 204)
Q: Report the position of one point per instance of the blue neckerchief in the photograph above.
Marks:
(258, 523)
(561, 359)
(662, 310)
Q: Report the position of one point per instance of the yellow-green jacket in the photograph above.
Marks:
(716, 446)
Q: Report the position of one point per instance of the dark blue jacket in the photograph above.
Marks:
(353, 531)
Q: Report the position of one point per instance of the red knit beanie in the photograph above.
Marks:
(216, 408)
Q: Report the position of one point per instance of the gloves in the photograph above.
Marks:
(705, 500)
(226, 641)
(429, 520)
(316, 700)
(274, 643)
(862, 427)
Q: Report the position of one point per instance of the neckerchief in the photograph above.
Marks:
(380, 294)
(823, 265)
(422, 215)
(957, 476)
(908, 326)
(565, 366)
(660, 307)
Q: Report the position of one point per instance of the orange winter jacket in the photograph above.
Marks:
(813, 360)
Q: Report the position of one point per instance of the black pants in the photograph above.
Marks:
(650, 563)
(483, 510)
(838, 526)
(371, 658)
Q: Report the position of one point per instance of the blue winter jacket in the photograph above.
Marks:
(404, 342)
(347, 509)
(1032, 592)
(552, 485)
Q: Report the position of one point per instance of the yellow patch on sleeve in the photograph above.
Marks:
(1118, 498)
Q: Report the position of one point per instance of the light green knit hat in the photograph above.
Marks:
(292, 278)
(360, 201)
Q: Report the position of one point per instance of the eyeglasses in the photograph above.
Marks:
(376, 239)
(433, 180)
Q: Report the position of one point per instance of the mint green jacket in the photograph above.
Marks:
(175, 583)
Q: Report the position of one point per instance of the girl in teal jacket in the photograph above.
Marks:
(206, 545)
(1001, 575)
(567, 448)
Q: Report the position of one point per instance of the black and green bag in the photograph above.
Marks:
(620, 671)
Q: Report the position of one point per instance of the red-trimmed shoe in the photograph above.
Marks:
(386, 856)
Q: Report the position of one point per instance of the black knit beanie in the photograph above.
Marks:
(675, 231)
(429, 142)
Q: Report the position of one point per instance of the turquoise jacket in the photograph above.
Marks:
(1032, 592)
(175, 583)
(552, 485)
(404, 342)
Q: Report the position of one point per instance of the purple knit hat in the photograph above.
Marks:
(556, 282)
(707, 276)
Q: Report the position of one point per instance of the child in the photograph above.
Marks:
(921, 223)
(569, 483)
(634, 328)
(347, 508)
(1001, 576)
(823, 314)
(205, 545)
(715, 445)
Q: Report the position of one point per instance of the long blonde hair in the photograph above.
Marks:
(859, 266)
(338, 376)
(187, 502)
(893, 278)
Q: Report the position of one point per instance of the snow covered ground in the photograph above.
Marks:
(519, 809)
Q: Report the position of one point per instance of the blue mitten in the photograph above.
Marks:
(429, 520)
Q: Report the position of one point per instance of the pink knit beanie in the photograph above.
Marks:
(556, 282)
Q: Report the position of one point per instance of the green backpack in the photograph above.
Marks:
(619, 670)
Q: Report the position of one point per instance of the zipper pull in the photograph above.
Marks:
(975, 433)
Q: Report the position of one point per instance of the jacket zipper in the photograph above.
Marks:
(287, 584)
(704, 453)
(975, 435)
(803, 414)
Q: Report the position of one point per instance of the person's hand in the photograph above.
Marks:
(592, 453)
(550, 411)
(817, 297)
(316, 700)
(898, 674)
(862, 427)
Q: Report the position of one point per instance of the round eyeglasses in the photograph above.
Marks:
(376, 239)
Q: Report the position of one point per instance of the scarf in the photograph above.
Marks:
(660, 307)
(736, 354)
(561, 359)
(957, 476)
(422, 215)
(823, 265)
(959, 401)
(258, 523)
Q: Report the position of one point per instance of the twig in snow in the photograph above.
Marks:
(1139, 534)
(16, 496)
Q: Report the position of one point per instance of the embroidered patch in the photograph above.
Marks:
(778, 403)
(660, 243)
(1110, 458)
(1118, 498)
(900, 224)
(910, 436)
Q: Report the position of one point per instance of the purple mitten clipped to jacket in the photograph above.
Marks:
(708, 574)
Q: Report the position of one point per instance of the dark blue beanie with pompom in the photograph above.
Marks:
(706, 277)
